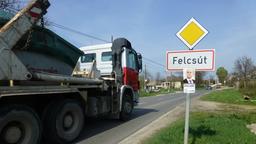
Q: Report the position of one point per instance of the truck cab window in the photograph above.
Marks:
(87, 58)
(106, 56)
(131, 62)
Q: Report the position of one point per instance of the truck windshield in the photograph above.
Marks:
(106, 56)
(86, 58)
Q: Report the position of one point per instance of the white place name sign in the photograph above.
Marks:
(200, 60)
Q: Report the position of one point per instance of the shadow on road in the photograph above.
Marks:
(96, 126)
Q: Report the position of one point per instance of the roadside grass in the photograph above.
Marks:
(250, 91)
(209, 128)
(228, 96)
(143, 93)
(155, 93)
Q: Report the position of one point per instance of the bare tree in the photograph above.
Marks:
(9, 4)
(13, 6)
(211, 80)
(254, 72)
(149, 76)
(244, 68)
(199, 77)
(177, 76)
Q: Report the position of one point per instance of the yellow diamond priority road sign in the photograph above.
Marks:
(191, 33)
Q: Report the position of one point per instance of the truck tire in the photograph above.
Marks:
(127, 107)
(63, 121)
(19, 125)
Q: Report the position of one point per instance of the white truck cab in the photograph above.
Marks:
(101, 54)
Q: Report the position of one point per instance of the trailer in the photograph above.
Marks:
(44, 100)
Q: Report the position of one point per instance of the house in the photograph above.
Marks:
(166, 85)
(151, 86)
(175, 85)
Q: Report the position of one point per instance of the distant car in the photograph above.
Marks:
(208, 87)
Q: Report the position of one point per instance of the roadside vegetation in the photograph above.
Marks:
(232, 96)
(161, 91)
(225, 125)
(250, 90)
(143, 93)
(210, 128)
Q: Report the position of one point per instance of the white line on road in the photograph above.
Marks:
(157, 123)
(140, 134)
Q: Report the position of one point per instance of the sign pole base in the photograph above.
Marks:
(186, 131)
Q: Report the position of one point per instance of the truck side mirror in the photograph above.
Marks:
(139, 61)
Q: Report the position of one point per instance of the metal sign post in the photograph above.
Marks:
(186, 132)
(189, 87)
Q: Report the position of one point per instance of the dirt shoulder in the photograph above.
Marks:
(178, 112)
(199, 105)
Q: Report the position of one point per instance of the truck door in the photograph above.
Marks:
(130, 69)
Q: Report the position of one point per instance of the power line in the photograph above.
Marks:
(151, 69)
(156, 63)
(153, 66)
(77, 32)
(91, 36)
(97, 38)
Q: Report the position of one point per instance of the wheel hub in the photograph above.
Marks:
(128, 107)
(68, 121)
(12, 134)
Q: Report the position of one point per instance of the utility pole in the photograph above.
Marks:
(171, 82)
(209, 80)
(166, 82)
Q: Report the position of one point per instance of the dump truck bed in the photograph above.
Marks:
(35, 90)
(40, 49)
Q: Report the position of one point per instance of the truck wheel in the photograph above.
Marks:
(63, 121)
(127, 107)
(19, 125)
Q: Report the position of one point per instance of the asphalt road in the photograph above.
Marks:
(113, 131)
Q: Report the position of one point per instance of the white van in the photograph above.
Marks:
(101, 53)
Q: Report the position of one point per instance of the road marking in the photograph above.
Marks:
(175, 112)
(136, 136)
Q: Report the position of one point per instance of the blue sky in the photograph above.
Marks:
(151, 25)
